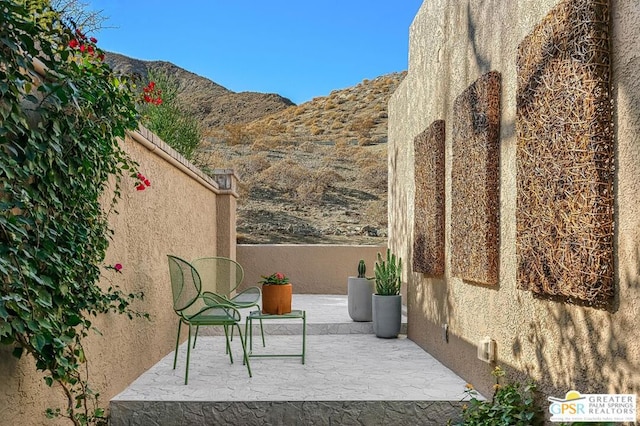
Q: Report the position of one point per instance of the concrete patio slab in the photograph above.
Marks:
(347, 378)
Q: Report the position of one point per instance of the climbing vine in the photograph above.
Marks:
(59, 155)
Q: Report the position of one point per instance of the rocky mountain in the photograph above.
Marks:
(310, 173)
(211, 103)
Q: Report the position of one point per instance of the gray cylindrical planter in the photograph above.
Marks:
(387, 315)
(359, 298)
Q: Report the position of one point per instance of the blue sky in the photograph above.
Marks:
(297, 48)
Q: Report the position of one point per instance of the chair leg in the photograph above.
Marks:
(226, 348)
(226, 335)
(262, 332)
(196, 336)
(186, 373)
(244, 349)
(175, 358)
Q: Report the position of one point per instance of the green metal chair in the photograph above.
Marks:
(222, 276)
(194, 309)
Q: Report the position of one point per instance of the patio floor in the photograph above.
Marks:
(350, 377)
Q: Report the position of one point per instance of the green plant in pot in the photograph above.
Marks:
(359, 293)
(276, 294)
(387, 301)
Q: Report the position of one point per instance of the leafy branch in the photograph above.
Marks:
(58, 151)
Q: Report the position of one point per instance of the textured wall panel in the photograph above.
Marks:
(475, 182)
(565, 155)
(428, 228)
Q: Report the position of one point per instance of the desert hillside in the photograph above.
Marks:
(310, 173)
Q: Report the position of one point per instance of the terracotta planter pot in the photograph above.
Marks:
(276, 299)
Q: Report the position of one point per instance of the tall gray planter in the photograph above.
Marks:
(359, 293)
(387, 315)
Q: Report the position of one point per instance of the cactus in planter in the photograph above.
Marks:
(388, 275)
(359, 291)
(387, 302)
(362, 269)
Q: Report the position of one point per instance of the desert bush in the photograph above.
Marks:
(315, 130)
(307, 146)
(329, 105)
(365, 157)
(210, 159)
(252, 165)
(319, 183)
(170, 120)
(285, 176)
(375, 212)
(363, 126)
(236, 134)
(374, 178)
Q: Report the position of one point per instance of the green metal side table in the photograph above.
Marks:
(258, 315)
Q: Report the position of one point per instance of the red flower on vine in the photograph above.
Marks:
(117, 267)
(143, 182)
(88, 46)
(151, 94)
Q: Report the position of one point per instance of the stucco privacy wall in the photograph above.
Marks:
(563, 346)
(176, 215)
(313, 269)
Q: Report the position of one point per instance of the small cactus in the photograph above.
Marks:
(362, 269)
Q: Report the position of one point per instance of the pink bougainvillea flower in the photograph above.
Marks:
(117, 267)
(141, 187)
(73, 43)
(83, 47)
(93, 40)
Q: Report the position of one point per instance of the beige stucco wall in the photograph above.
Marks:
(563, 346)
(313, 269)
(176, 215)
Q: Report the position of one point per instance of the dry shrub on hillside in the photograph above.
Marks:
(375, 213)
(235, 134)
(366, 157)
(285, 176)
(363, 126)
(307, 146)
(320, 181)
(374, 177)
(270, 143)
(251, 165)
(315, 130)
(329, 105)
(342, 151)
(269, 127)
(212, 159)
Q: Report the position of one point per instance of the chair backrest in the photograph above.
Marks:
(185, 283)
(219, 275)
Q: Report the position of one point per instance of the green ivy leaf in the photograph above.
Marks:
(17, 352)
